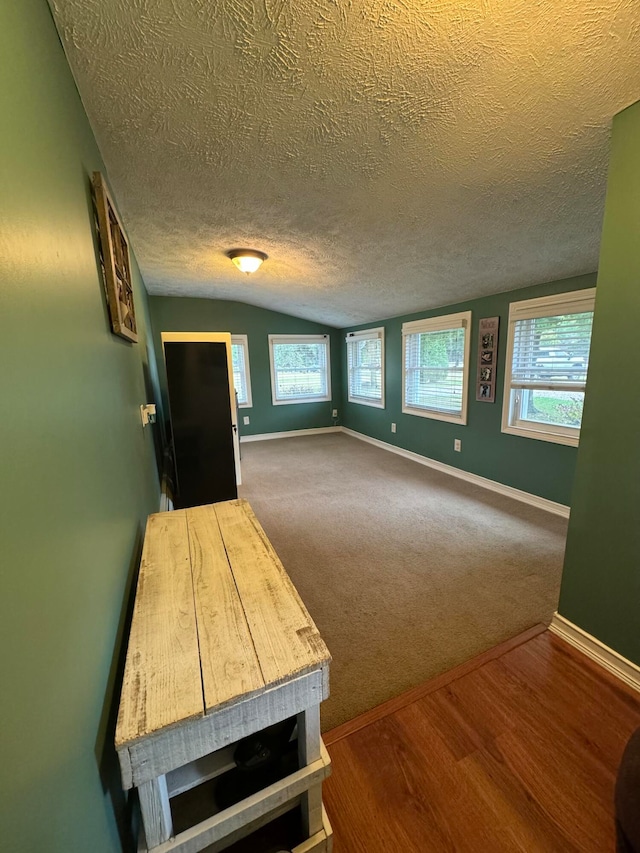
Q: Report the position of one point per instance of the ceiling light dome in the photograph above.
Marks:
(247, 260)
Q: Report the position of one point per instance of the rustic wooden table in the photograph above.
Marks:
(221, 647)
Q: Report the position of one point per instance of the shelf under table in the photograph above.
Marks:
(221, 647)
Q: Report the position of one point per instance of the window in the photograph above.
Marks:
(241, 376)
(547, 361)
(365, 367)
(299, 368)
(436, 367)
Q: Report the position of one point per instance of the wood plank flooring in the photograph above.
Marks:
(517, 754)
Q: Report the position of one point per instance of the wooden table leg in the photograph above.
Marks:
(156, 811)
(308, 752)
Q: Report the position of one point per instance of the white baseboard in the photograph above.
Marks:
(607, 658)
(476, 479)
(264, 436)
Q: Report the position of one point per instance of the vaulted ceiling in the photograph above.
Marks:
(388, 155)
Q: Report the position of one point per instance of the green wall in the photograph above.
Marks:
(183, 314)
(78, 473)
(601, 580)
(538, 467)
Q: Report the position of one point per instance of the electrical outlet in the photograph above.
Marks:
(393, 427)
(148, 414)
(245, 420)
(334, 414)
(457, 444)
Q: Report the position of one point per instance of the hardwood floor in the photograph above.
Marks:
(517, 754)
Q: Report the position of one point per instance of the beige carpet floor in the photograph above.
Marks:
(406, 571)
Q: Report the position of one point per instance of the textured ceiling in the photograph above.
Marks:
(388, 155)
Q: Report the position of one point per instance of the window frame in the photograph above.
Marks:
(243, 341)
(571, 302)
(367, 335)
(441, 323)
(300, 339)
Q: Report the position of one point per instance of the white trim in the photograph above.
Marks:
(541, 435)
(441, 323)
(300, 339)
(439, 416)
(572, 302)
(367, 335)
(265, 436)
(214, 338)
(593, 648)
(567, 302)
(166, 499)
(508, 491)
(476, 479)
(243, 341)
(194, 337)
(362, 401)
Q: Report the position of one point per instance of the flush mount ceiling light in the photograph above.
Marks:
(247, 260)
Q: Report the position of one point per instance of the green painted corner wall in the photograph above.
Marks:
(78, 473)
(601, 580)
(538, 467)
(185, 314)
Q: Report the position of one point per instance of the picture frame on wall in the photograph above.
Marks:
(116, 264)
(487, 358)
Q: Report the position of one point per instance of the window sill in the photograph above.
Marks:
(361, 401)
(437, 416)
(539, 435)
(301, 400)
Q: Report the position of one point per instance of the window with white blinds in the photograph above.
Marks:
(241, 376)
(299, 368)
(436, 367)
(365, 367)
(547, 363)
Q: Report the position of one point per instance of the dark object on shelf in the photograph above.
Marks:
(278, 836)
(628, 798)
(238, 784)
(264, 748)
(261, 759)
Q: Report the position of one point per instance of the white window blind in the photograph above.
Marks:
(436, 366)
(365, 367)
(299, 368)
(552, 352)
(240, 361)
(547, 363)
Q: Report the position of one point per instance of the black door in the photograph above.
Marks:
(199, 402)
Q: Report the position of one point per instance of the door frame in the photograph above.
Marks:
(214, 338)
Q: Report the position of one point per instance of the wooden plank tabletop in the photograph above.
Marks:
(285, 637)
(162, 673)
(216, 620)
(230, 667)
